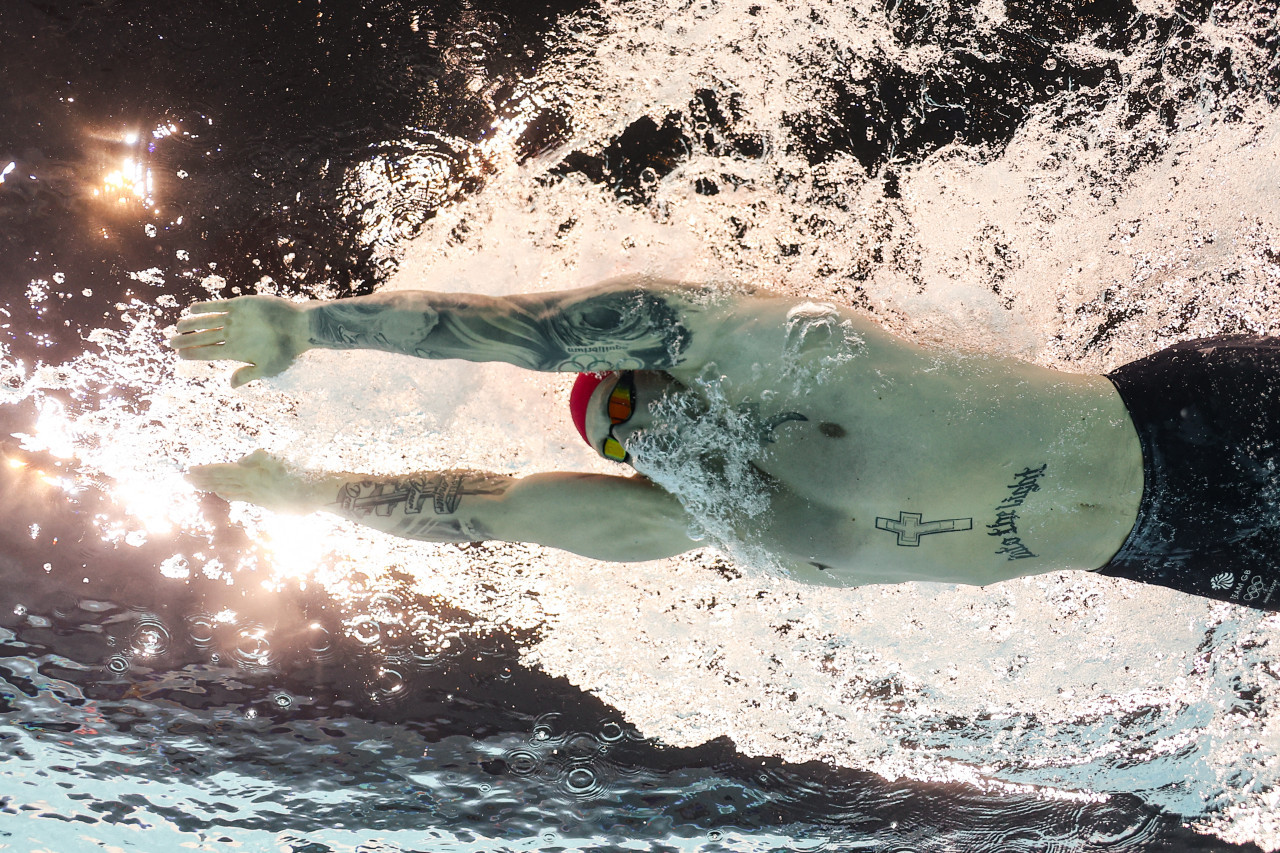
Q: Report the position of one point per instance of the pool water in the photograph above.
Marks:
(1078, 184)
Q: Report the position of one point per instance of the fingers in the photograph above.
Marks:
(200, 330)
(207, 353)
(228, 480)
(248, 373)
(217, 472)
(256, 478)
(229, 472)
(213, 306)
(197, 322)
(223, 479)
(206, 338)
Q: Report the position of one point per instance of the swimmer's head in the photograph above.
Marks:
(605, 419)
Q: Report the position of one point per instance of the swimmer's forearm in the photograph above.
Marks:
(622, 519)
(445, 506)
(611, 325)
(419, 323)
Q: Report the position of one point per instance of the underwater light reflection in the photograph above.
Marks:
(129, 180)
(296, 544)
(133, 178)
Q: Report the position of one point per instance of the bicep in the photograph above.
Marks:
(621, 519)
(624, 324)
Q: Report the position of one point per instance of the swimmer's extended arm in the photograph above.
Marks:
(629, 323)
(620, 519)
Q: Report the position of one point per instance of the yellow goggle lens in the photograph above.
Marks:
(614, 450)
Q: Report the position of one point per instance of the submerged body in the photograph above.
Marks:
(865, 458)
(1012, 469)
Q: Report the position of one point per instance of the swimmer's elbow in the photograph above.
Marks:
(618, 519)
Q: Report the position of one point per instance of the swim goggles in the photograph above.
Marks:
(621, 406)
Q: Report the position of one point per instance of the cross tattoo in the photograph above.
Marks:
(910, 528)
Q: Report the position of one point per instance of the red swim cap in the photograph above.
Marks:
(581, 395)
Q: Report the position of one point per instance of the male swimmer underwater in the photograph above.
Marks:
(902, 464)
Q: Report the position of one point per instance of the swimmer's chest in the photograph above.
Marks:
(885, 471)
(867, 428)
(884, 452)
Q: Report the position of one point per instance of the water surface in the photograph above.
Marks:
(1079, 185)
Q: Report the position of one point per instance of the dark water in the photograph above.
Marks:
(135, 716)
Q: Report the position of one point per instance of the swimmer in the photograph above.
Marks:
(882, 461)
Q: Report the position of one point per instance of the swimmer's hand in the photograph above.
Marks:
(267, 332)
(258, 478)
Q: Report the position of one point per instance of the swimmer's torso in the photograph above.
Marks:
(891, 462)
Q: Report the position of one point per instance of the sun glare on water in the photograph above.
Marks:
(131, 181)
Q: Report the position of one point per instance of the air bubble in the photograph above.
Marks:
(391, 685)
(252, 649)
(580, 780)
(582, 746)
(150, 638)
(388, 606)
(320, 641)
(523, 762)
(544, 726)
(1050, 64)
(65, 605)
(365, 630)
(200, 628)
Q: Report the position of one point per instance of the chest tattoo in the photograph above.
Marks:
(1012, 547)
(764, 427)
(910, 526)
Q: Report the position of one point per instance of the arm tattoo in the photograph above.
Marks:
(422, 506)
(380, 324)
(611, 329)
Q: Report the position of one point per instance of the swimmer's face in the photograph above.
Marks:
(649, 386)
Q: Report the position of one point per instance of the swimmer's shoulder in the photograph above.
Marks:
(724, 323)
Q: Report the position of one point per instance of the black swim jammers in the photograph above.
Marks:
(1208, 416)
